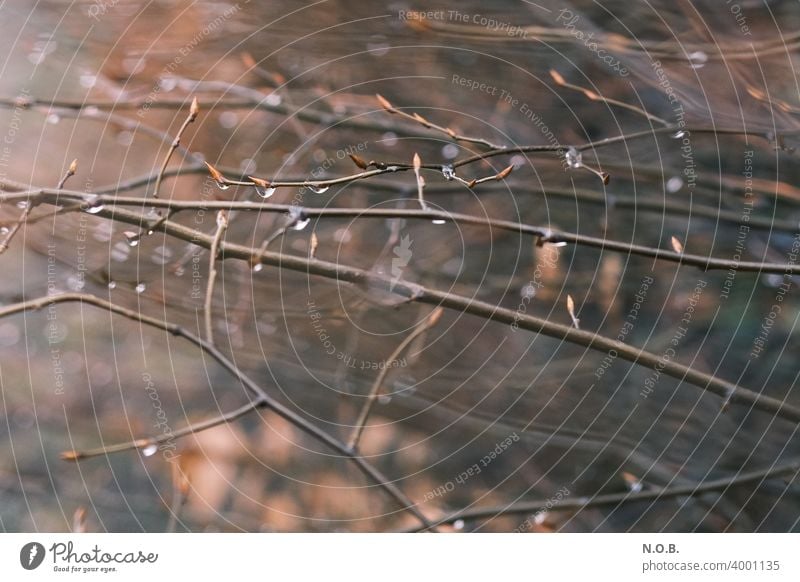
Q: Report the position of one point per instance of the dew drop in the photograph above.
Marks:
(450, 151)
(438, 221)
(300, 223)
(112, 285)
(258, 267)
(698, 59)
(149, 450)
(458, 524)
(574, 158)
(319, 189)
(22, 204)
(4, 230)
(223, 186)
(448, 172)
(140, 288)
(674, 184)
(132, 238)
(120, 252)
(95, 209)
(679, 134)
(53, 118)
(389, 138)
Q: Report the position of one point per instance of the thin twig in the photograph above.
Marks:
(413, 292)
(222, 225)
(611, 499)
(543, 233)
(361, 423)
(194, 109)
(257, 391)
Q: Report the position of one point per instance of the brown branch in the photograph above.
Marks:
(543, 233)
(612, 499)
(194, 109)
(729, 391)
(222, 225)
(361, 423)
(259, 394)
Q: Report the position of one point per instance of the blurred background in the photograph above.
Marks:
(278, 83)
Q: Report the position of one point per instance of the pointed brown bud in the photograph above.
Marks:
(676, 245)
(359, 161)
(260, 182)
(417, 163)
(385, 104)
(504, 174)
(194, 109)
(422, 120)
(557, 77)
(571, 311)
(312, 251)
(73, 167)
(216, 174)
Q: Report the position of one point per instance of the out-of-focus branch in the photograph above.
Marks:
(731, 392)
(260, 396)
(612, 499)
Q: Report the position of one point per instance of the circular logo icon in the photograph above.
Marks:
(31, 555)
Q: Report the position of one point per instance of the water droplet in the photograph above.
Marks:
(528, 292)
(53, 118)
(438, 221)
(297, 219)
(76, 282)
(161, 255)
(120, 252)
(674, 184)
(450, 151)
(574, 158)
(140, 288)
(22, 204)
(132, 238)
(458, 524)
(223, 185)
(679, 134)
(4, 230)
(559, 244)
(318, 189)
(698, 59)
(112, 285)
(167, 84)
(228, 119)
(389, 139)
(88, 81)
(377, 45)
(258, 267)
(149, 450)
(265, 192)
(91, 111)
(300, 223)
(95, 209)
(449, 172)
(273, 99)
